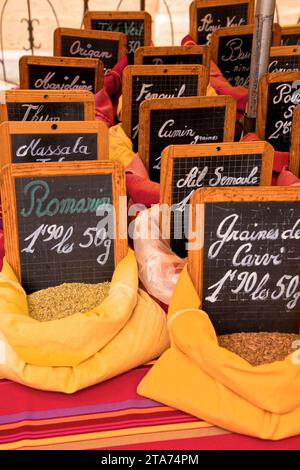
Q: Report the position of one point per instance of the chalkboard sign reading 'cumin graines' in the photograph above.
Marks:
(51, 222)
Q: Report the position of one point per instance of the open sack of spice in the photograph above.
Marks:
(80, 335)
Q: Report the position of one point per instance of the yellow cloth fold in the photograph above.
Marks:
(120, 146)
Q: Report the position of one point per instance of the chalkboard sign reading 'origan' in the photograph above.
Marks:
(290, 35)
(245, 265)
(186, 168)
(172, 55)
(284, 59)
(58, 222)
(141, 83)
(206, 16)
(26, 142)
(61, 73)
(174, 121)
(294, 164)
(108, 47)
(38, 106)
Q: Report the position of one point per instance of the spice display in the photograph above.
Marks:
(260, 348)
(65, 300)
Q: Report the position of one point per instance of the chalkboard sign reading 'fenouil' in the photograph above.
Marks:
(57, 238)
(247, 272)
(176, 55)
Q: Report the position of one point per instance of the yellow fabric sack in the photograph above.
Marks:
(199, 377)
(120, 146)
(126, 330)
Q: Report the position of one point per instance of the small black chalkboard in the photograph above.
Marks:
(234, 58)
(283, 60)
(173, 59)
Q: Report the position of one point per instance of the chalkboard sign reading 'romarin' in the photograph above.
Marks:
(172, 55)
(24, 142)
(246, 265)
(284, 59)
(58, 222)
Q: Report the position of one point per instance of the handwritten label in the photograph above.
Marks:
(174, 59)
(284, 63)
(44, 77)
(234, 59)
(40, 112)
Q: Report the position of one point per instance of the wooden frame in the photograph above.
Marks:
(7, 129)
(233, 194)
(294, 164)
(45, 96)
(290, 30)
(58, 61)
(149, 51)
(284, 51)
(140, 70)
(263, 93)
(183, 103)
(27, 170)
(197, 4)
(121, 15)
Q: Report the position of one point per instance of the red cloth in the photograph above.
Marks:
(139, 187)
(287, 178)
(1, 248)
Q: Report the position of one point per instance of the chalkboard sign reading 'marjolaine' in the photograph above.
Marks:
(174, 121)
(294, 164)
(141, 83)
(41, 106)
(136, 25)
(102, 45)
(208, 15)
(172, 55)
(278, 94)
(26, 142)
(59, 224)
(245, 261)
(186, 168)
(290, 35)
(61, 73)
(284, 59)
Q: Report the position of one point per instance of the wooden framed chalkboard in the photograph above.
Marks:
(59, 224)
(290, 35)
(244, 257)
(231, 50)
(278, 94)
(208, 15)
(172, 55)
(136, 25)
(26, 142)
(284, 59)
(106, 46)
(186, 168)
(141, 83)
(173, 121)
(61, 73)
(40, 106)
(294, 164)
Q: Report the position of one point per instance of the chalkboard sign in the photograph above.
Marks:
(294, 164)
(174, 121)
(284, 59)
(61, 73)
(186, 168)
(38, 106)
(172, 55)
(244, 260)
(278, 94)
(24, 142)
(290, 35)
(206, 16)
(136, 25)
(141, 83)
(105, 46)
(58, 222)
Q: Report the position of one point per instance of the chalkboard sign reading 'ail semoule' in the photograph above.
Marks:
(141, 83)
(61, 73)
(136, 25)
(172, 55)
(106, 46)
(176, 121)
(278, 94)
(284, 59)
(38, 106)
(186, 168)
(208, 15)
(26, 142)
(246, 265)
(51, 222)
(290, 35)
(294, 164)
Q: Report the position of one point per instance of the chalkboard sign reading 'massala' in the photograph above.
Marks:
(172, 55)
(26, 142)
(284, 59)
(245, 261)
(41, 106)
(290, 35)
(186, 168)
(141, 83)
(106, 46)
(59, 222)
(278, 94)
(61, 73)
(294, 164)
(206, 16)
(136, 25)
